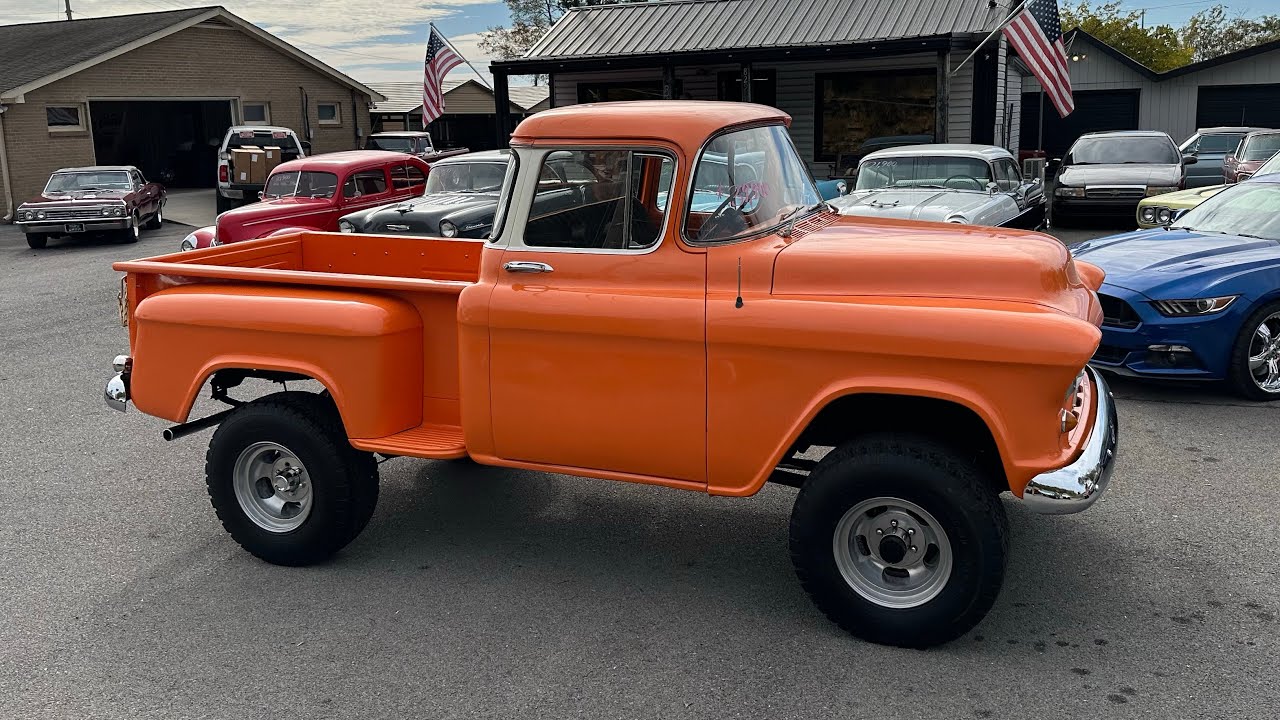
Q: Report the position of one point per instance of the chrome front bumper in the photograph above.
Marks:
(116, 393)
(45, 227)
(1075, 487)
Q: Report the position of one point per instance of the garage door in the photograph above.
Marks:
(1248, 105)
(1096, 111)
(172, 141)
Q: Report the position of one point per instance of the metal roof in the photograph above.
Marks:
(675, 26)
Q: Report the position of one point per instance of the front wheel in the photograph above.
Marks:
(131, 233)
(285, 482)
(1255, 356)
(36, 241)
(899, 542)
(157, 221)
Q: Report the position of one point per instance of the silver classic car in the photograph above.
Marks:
(968, 184)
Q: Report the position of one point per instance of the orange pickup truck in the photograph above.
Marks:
(664, 299)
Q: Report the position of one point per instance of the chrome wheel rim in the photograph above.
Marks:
(136, 229)
(1264, 354)
(892, 552)
(273, 487)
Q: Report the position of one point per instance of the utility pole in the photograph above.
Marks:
(68, 4)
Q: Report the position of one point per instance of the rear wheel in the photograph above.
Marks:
(35, 241)
(1255, 356)
(899, 541)
(285, 482)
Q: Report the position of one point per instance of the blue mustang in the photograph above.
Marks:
(1200, 300)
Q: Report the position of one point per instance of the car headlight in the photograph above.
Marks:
(1164, 216)
(1074, 192)
(40, 215)
(188, 243)
(842, 187)
(24, 215)
(448, 229)
(1243, 176)
(1147, 214)
(1160, 189)
(346, 227)
(1198, 306)
(106, 212)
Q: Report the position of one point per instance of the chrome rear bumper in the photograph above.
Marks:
(116, 393)
(1075, 487)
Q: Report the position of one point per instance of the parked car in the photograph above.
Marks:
(102, 198)
(967, 184)
(1200, 300)
(1109, 173)
(1211, 146)
(1162, 210)
(238, 185)
(621, 337)
(412, 142)
(313, 193)
(847, 162)
(1255, 149)
(459, 202)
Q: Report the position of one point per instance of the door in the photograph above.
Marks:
(597, 325)
(1238, 105)
(148, 197)
(362, 189)
(1210, 151)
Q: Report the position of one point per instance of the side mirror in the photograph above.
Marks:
(1035, 181)
(1190, 159)
(992, 188)
(260, 194)
(306, 147)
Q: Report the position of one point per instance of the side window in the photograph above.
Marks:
(368, 182)
(138, 180)
(600, 200)
(406, 176)
(1007, 175)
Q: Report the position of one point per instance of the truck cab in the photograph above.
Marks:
(901, 374)
(239, 182)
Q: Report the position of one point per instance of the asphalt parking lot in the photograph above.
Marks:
(507, 594)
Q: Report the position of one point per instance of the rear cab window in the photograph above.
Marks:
(289, 148)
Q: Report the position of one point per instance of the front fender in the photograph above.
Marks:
(365, 349)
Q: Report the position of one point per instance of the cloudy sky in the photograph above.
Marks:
(382, 40)
(370, 40)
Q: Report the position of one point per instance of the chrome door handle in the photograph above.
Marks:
(524, 266)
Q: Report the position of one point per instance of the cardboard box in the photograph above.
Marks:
(271, 156)
(242, 165)
(257, 166)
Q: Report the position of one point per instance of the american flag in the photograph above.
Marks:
(1036, 33)
(440, 60)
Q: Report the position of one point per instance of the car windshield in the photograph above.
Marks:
(747, 182)
(955, 173)
(68, 182)
(1123, 150)
(264, 139)
(461, 177)
(394, 144)
(1260, 147)
(1249, 209)
(301, 184)
(1270, 166)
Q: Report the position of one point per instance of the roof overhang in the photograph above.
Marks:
(15, 95)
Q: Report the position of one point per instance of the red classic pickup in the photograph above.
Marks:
(312, 193)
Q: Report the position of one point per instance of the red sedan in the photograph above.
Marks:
(115, 199)
(312, 193)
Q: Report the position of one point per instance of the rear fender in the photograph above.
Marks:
(366, 349)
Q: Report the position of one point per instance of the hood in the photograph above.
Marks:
(910, 203)
(423, 215)
(1155, 262)
(271, 209)
(893, 258)
(80, 197)
(1186, 198)
(1085, 175)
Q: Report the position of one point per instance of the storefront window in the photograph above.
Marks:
(858, 110)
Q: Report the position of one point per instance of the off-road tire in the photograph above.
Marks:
(36, 241)
(1238, 375)
(344, 481)
(926, 474)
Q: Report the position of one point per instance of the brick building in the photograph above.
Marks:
(158, 90)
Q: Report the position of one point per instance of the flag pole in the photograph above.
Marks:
(1012, 14)
(464, 57)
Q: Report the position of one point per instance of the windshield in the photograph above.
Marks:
(394, 144)
(955, 173)
(747, 182)
(1270, 166)
(301, 184)
(1260, 147)
(1123, 150)
(82, 181)
(265, 139)
(1249, 209)
(466, 177)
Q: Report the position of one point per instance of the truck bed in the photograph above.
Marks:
(426, 273)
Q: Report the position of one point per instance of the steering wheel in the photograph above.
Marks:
(964, 178)
(722, 220)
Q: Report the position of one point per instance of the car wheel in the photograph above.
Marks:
(899, 541)
(131, 233)
(157, 220)
(285, 482)
(35, 241)
(1255, 356)
(222, 204)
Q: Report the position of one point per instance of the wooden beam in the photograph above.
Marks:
(502, 110)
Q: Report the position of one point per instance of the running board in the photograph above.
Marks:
(437, 442)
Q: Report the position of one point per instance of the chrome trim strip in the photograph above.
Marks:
(1075, 487)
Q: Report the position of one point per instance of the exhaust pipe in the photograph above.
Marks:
(195, 426)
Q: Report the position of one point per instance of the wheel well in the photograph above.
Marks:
(948, 423)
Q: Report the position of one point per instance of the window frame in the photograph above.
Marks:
(506, 196)
(518, 244)
(1017, 173)
(818, 78)
(351, 177)
(336, 121)
(81, 119)
(266, 113)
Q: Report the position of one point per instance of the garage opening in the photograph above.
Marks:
(1243, 105)
(1096, 111)
(174, 142)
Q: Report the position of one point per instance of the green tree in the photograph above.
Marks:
(1211, 32)
(530, 20)
(1159, 47)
